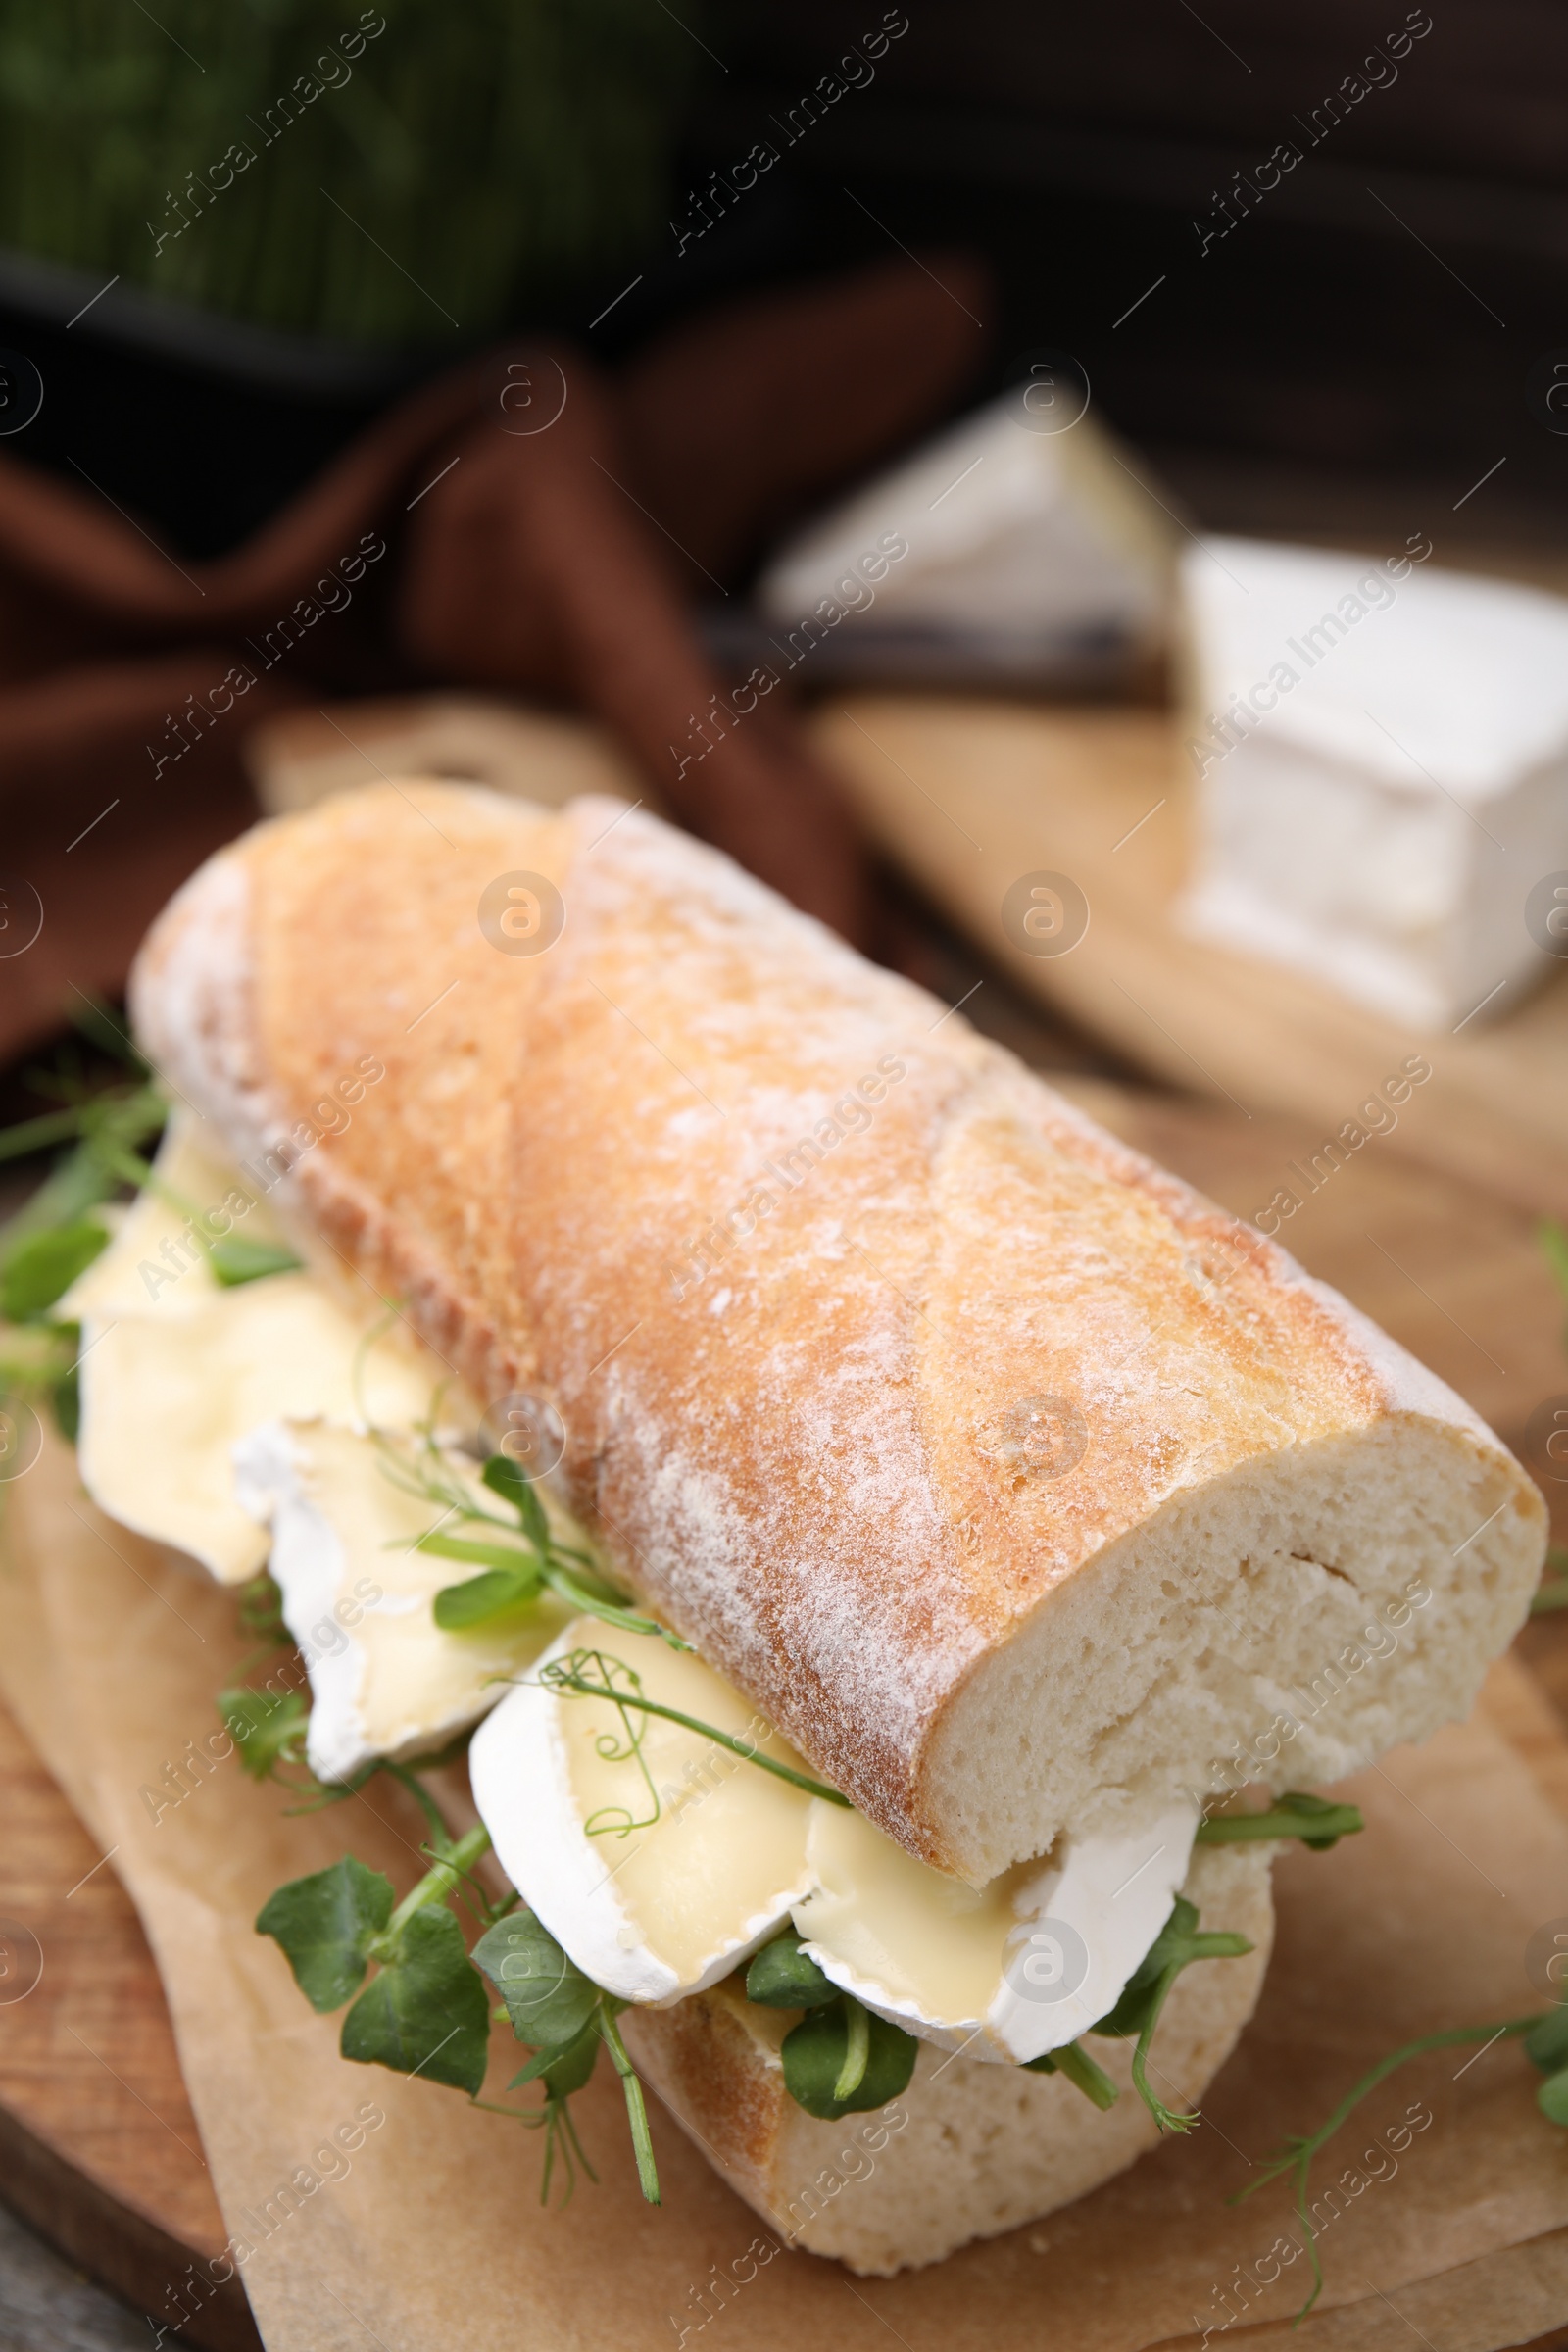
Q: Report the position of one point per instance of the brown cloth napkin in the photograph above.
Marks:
(525, 522)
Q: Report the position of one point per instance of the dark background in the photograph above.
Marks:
(1356, 353)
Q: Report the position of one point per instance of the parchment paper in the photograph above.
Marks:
(432, 2236)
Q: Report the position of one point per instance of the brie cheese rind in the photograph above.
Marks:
(660, 1867)
(1007, 1971)
(694, 1856)
(385, 1678)
(176, 1368)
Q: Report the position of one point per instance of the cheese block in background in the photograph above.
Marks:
(1024, 548)
(346, 1516)
(1381, 755)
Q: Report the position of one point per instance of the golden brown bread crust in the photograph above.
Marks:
(807, 1455)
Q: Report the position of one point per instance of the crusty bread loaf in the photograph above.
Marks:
(969, 2150)
(1016, 1483)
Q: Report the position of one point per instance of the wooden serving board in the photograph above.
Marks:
(970, 795)
(98, 2146)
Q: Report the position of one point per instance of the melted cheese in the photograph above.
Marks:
(385, 1678)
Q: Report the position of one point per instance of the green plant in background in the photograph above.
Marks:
(492, 151)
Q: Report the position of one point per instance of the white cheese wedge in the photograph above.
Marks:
(166, 1396)
(1380, 751)
(153, 1262)
(1015, 536)
(661, 1870)
(716, 1853)
(385, 1678)
(1007, 1971)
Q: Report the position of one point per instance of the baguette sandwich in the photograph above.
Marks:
(893, 1555)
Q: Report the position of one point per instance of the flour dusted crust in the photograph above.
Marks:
(802, 1429)
(969, 2150)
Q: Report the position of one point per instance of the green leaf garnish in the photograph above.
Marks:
(42, 1267)
(234, 1259)
(562, 2068)
(326, 1924)
(479, 1599)
(1295, 2157)
(261, 1611)
(503, 1476)
(267, 1728)
(65, 1400)
(1315, 1820)
(832, 2046)
(565, 2017)
(1552, 2098)
(425, 2012)
(549, 2000)
(1546, 2043)
(1080, 2068)
(531, 1550)
(782, 1976)
(1177, 1946)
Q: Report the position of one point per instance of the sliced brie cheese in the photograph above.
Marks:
(657, 1858)
(166, 1396)
(1005, 1970)
(659, 1861)
(153, 1260)
(1381, 764)
(385, 1678)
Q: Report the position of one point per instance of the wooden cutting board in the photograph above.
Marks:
(969, 795)
(97, 2143)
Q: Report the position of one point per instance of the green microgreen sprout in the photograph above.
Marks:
(586, 1673)
(564, 2018)
(531, 1560)
(1546, 2041)
(54, 1237)
(1177, 1946)
(841, 2058)
(595, 1676)
(1080, 2070)
(1316, 1821)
